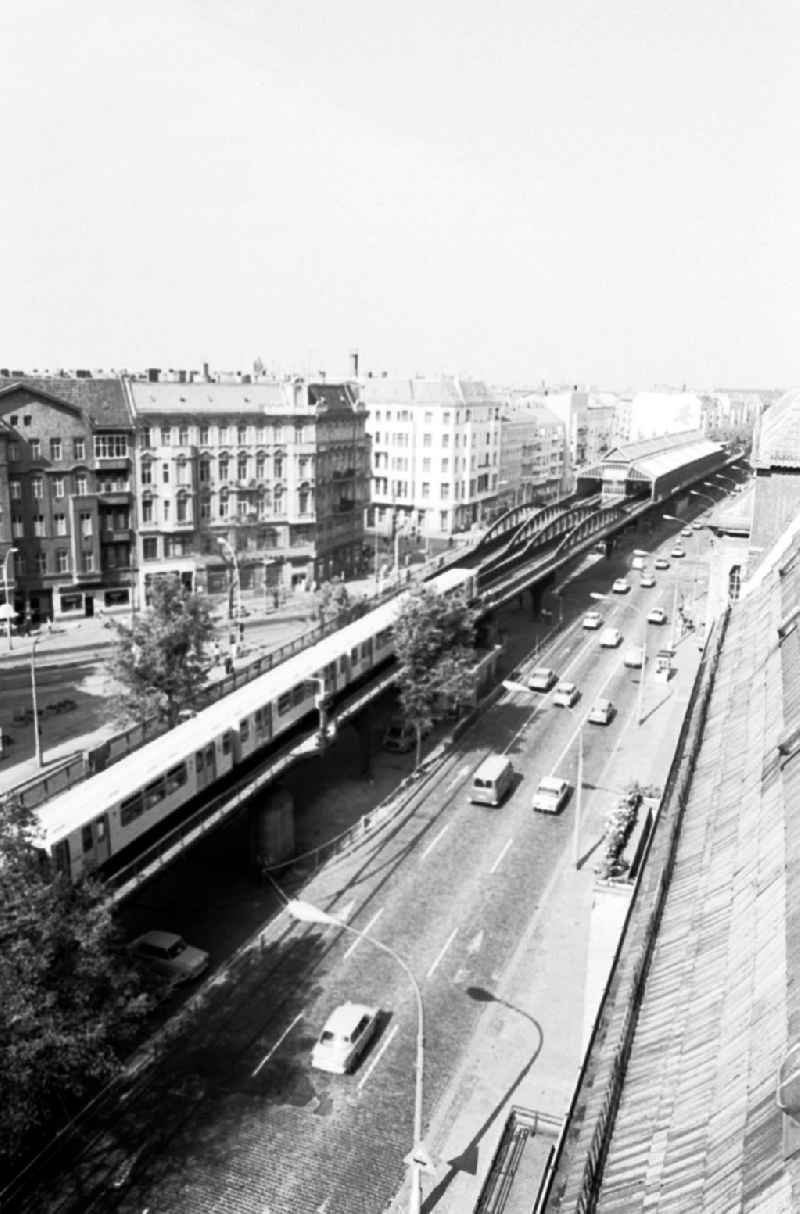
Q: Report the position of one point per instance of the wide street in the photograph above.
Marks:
(232, 1117)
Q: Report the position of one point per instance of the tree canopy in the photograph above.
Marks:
(334, 603)
(161, 661)
(434, 641)
(69, 999)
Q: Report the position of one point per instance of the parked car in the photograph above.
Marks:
(610, 638)
(592, 619)
(677, 552)
(621, 585)
(169, 955)
(566, 694)
(647, 581)
(697, 525)
(400, 736)
(542, 679)
(551, 795)
(347, 1032)
(661, 562)
(657, 616)
(601, 713)
(634, 657)
(686, 532)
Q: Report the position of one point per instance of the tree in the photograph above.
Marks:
(334, 603)
(434, 640)
(160, 661)
(69, 1000)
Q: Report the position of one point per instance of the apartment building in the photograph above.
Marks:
(248, 480)
(435, 453)
(532, 453)
(66, 499)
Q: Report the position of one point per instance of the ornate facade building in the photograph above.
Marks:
(66, 496)
(261, 480)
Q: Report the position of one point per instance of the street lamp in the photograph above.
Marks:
(706, 496)
(719, 476)
(306, 912)
(9, 611)
(672, 518)
(37, 740)
(230, 551)
(711, 485)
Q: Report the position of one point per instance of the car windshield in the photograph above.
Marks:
(175, 949)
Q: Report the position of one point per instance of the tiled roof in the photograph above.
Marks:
(697, 1126)
(777, 505)
(778, 444)
(213, 398)
(102, 400)
(333, 396)
(446, 391)
(538, 415)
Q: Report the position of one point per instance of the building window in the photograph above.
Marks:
(166, 435)
(241, 434)
(60, 521)
(183, 436)
(111, 446)
(165, 473)
(150, 548)
(86, 525)
(444, 491)
(205, 510)
(734, 583)
(242, 507)
(426, 489)
(224, 466)
(183, 508)
(13, 452)
(36, 448)
(62, 561)
(13, 420)
(17, 527)
(223, 503)
(223, 435)
(88, 562)
(165, 510)
(260, 466)
(81, 486)
(37, 486)
(144, 437)
(58, 486)
(41, 562)
(27, 419)
(445, 465)
(204, 471)
(259, 434)
(241, 467)
(204, 436)
(78, 448)
(147, 510)
(146, 472)
(38, 526)
(16, 490)
(278, 467)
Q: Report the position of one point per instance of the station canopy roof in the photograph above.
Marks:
(651, 458)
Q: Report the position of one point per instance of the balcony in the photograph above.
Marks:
(124, 535)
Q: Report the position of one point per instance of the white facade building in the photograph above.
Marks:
(532, 453)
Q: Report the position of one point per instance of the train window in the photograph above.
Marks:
(366, 649)
(299, 693)
(354, 656)
(284, 703)
(226, 743)
(244, 730)
(343, 664)
(384, 638)
(131, 808)
(61, 856)
(100, 829)
(87, 837)
(155, 792)
(176, 777)
(198, 759)
(262, 719)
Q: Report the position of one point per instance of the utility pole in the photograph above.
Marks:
(578, 802)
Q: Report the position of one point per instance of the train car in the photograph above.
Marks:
(83, 827)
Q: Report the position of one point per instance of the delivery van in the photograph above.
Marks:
(492, 780)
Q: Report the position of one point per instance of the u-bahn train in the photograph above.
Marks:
(82, 828)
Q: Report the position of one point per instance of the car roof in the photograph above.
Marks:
(345, 1017)
(542, 670)
(492, 766)
(603, 703)
(158, 938)
(551, 784)
(565, 685)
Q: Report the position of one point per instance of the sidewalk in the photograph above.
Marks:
(528, 1047)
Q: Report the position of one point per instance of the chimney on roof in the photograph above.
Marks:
(354, 364)
(205, 372)
(153, 374)
(384, 374)
(181, 377)
(369, 375)
(322, 377)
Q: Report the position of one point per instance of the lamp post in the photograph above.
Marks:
(230, 551)
(8, 556)
(306, 912)
(719, 477)
(711, 485)
(37, 740)
(706, 496)
(640, 698)
(578, 801)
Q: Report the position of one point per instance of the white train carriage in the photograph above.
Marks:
(86, 825)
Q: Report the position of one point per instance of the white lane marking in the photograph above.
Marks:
(500, 857)
(444, 949)
(282, 1037)
(475, 943)
(433, 842)
(458, 777)
(377, 1058)
(584, 719)
(365, 931)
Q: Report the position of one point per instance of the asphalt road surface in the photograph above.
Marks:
(232, 1117)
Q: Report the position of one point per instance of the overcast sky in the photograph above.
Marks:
(603, 192)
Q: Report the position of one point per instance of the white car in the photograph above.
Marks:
(601, 713)
(592, 619)
(169, 955)
(634, 657)
(647, 581)
(610, 638)
(697, 526)
(566, 694)
(347, 1032)
(678, 552)
(621, 585)
(687, 532)
(551, 795)
(657, 616)
(542, 679)
(661, 562)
